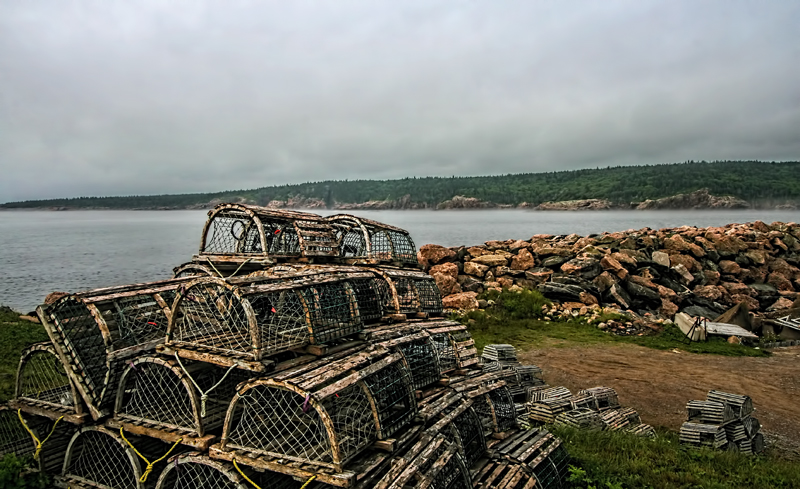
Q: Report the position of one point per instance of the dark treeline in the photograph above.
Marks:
(753, 181)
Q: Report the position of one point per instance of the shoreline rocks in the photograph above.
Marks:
(700, 271)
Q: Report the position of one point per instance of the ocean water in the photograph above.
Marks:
(43, 251)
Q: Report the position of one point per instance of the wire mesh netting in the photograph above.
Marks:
(422, 361)
(333, 309)
(199, 472)
(504, 411)
(232, 231)
(210, 314)
(552, 470)
(363, 238)
(13, 437)
(370, 295)
(453, 475)
(274, 421)
(393, 397)
(445, 351)
(83, 341)
(430, 299)
(136, 320)
(42, 378)
(101, 457)
(159, 392)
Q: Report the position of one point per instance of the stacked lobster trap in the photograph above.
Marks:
(723, 421)
(293, 350)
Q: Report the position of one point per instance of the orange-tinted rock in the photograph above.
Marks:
(667, 308)
(491, 260)
(450, 269)
(518, 245)
(614, 266)
(431, 254)
(523, 260)
(737, 288)
(475, 269)
(505, 282)
(447, 284)
(710, 292)
(712, 277)
(729, 267)
(604, 281)
(588, 298)
(751, 302)
(477, 251)
(687, 261)
(780, 282)
(644, 282)
(667, 293)
(464, 300)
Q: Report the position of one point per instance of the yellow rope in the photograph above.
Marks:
(149, 468)
(236, 466)
(38, 443)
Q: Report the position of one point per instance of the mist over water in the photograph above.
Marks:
(43, 251)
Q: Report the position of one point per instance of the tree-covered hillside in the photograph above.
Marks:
(756, 182)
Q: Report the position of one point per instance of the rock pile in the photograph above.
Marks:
(700, 271)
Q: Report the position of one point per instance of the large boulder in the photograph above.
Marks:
(464, 300)
(475, 269)
(523, 260)
(432, 254)
(450, 269)
(587, 268)
(561, 292)
(491, 260)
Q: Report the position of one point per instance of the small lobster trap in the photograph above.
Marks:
(248, 236)
(418, 350)
(44, 386)
(458, 421)
(606, 397)
(94, 332)
(740, 405)
(697, 434)
(366, 241)
(433, 462)
(197, 471)
(98, 457)
(492, 400)
(709, 412)
(171, 400)
(223, 323)
(323, 413)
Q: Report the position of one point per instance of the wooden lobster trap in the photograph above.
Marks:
(606, 397)
(249, 237)
(454, 417)
(453, 343)
(95, 332)
(100, 458)
(321, 415)
(501, 473)
(431, 463)
(44, 387)
(197, 471)
(492, 400)
(244, 323)
(410, 292)
(539, 453)
(417, 348)
(366, 241)
(740, 405)
(171, 399)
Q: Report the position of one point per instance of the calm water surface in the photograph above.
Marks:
(42, 251)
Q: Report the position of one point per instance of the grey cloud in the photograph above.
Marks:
(113, 98)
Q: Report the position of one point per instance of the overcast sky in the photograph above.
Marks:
(142, 97)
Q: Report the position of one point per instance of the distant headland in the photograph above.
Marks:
(689, 185)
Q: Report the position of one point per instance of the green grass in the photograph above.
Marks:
(516, 318)
(15, 335)
(604, 459)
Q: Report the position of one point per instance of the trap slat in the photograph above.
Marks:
(369, 242)
(195, 470)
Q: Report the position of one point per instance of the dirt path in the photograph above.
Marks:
(659, 383)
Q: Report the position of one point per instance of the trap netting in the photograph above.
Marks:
(454, 345)
(196, 471)
(44, 385)
(13, 436)
(496, 409)
(467, 431)
(252, 322)
(422, 361)
(238, 229)
(98, 457)
(96, 330)
(409, 292)
(392, 398)
(160, 393)
(372, 241)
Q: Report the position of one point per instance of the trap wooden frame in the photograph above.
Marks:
(217, 474)
(364, 241)
(32, 374)
(94, 332)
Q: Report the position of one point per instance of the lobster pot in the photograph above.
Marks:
(581, 418)
(238, 233)
(496, 409)
(368, 295)
(709, 412)
(467, 431)
(541, 453)
(432, 462)
(364, 240)
(97, 457)
(250, 323)
(741, 429)
(409, 292)
(560, 392)
(13, 436)
(606, 397)
(758, 443)
(196, 471)
(322, 413)
(466, 353)
(584, 401)
(445, 351)
(551, 466)
(622, 418)
(58, 434)
(529, 375)
(499, 353)
(546, 410)
(94, 331)
(158, 393)
(703, 435)
(739, 404)
(44, 387)
(422, 362)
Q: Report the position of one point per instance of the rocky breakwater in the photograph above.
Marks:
(700, 271)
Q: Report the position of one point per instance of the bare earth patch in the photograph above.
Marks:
(658, 383)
